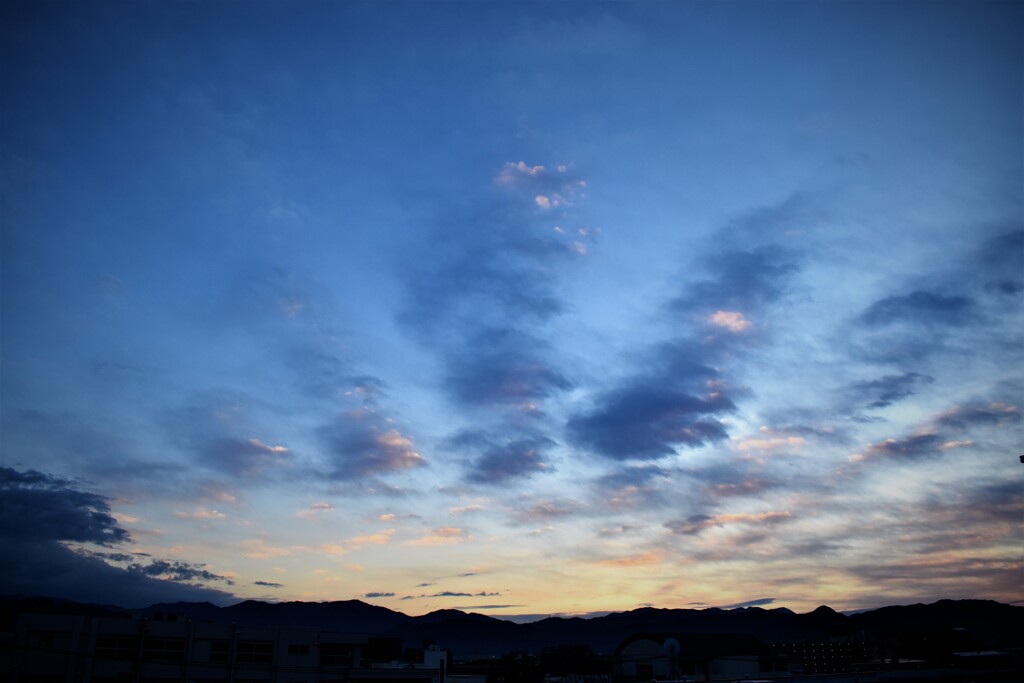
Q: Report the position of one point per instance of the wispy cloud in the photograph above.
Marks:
(361, 443)
(315, 510)
(378, 538)
(201, 513)
(699, 523)
(920, 307)
(499, 463)
(441, 536)
(642, 560)
(946, 431)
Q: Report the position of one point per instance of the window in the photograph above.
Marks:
(219, 650)
(117, 647)
(165, 650)
(298, 649)
(42, 640)
(255, 652)
(336, 653)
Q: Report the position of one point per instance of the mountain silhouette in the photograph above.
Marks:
(964, 624)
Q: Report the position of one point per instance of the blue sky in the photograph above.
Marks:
(525, 307)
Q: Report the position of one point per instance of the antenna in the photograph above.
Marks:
(672, 648)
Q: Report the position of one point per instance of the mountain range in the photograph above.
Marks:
(981, 624)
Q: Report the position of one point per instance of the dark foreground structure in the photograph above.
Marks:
(68, 643)
(53, 648)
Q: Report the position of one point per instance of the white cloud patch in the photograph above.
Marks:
(511, 172)
(314, 510)
(441, 536)
(734, 321)
(379, 538)
(201, 513)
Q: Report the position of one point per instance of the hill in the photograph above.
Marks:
(975, 623)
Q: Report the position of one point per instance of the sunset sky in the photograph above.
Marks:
(512, 307)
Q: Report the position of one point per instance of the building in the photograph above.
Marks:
(690, 656)
(54, 648)
(820, 657)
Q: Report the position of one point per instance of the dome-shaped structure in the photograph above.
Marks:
(645, 657)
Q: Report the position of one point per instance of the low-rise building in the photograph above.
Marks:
(647, 657)
(53, 648)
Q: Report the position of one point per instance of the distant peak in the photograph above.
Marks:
(251, 602)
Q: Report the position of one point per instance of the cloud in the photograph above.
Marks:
(768, 443)
(175, 570)
(481, 290)
(631, 487)
(65, 439)
(942, 433)
(741, 281)
(361, 443)
(367, 387)
(441, 536)
(379, 538)
(260, 547)
(333, 549)
(315, 510)
(216, 428)
(268, 584)
(642, 560)
(734, 321)
(918, 578)
(39, 507)
(377, 594)
(548, 190)
(39, 513)
(513, 172)
(885, 391)
(1001, 260)
(920, 308)
(518, 459)
(679, 395)
(504, 367)
(544, 510)
(698, 523)
(243, 457)
(647, 422)
(966, 307)
(201, 513)
(996, 414)
(49, 568)
(749, 603)
(464, 509)
(913, 447)
(979, 504)
(746, 487)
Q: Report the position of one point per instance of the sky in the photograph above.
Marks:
(521, 308)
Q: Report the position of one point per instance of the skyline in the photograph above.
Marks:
(521, 308)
